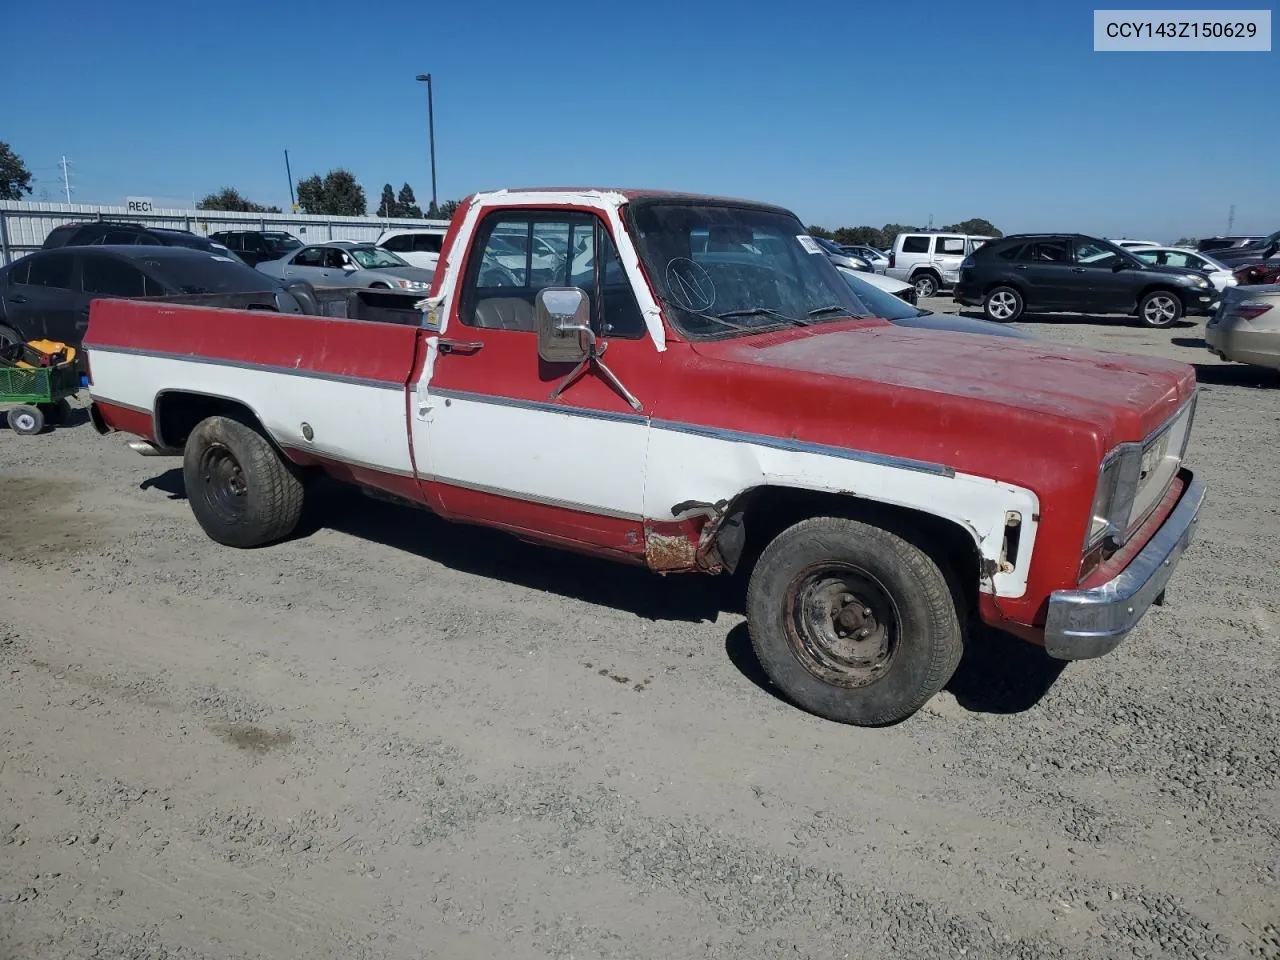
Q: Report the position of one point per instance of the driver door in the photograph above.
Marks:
(1109, 290)
(493, 445)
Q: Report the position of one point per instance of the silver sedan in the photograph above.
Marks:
(1246, 326)
(343, 263)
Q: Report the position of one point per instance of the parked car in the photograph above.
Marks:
(878, 259)
(1073, 273)
(1223, 243)
(841, 259)
(895, 288)
(1246, 326)
(258, 246)
(1258, 273)
(1265, 250)
(421, 248)
(47, 293)
(117, 233)
(903, 313)
(346, 263)
(1219, 275)
(1130, 244)
(723, 411)
(930, 261)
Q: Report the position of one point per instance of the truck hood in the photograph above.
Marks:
(1119, 393)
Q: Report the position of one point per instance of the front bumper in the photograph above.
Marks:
(1091, 623)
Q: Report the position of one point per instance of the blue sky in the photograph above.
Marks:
(846, 112)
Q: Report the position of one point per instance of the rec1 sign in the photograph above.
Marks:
(138, 204)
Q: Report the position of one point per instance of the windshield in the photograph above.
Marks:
(725, 269)
(878, 303)
(281, 242)
(373, 258)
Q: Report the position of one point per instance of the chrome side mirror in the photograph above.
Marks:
(563, 318)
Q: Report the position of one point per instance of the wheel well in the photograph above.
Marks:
(178, 412)
(764, 512)
(1160, 288)
(919, 271)
(994, 284)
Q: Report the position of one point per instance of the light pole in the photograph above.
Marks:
(431, 135)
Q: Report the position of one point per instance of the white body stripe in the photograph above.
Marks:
(354, 422)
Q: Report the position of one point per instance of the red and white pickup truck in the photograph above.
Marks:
(687, 383)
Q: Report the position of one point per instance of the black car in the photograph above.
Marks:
(1262, 250)
(258, 246)
(47, 293)
(1210, 244)
(118, 233)
(1073, 273)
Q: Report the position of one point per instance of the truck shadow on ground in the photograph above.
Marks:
(998, 673)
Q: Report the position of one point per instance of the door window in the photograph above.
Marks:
(310, 257)
(915, 244)
(52, 271)
(106, 277)
(1090, 253)
(335, 259)
(398, 244)
(949, 247)
(427, 242)
(1049, 251)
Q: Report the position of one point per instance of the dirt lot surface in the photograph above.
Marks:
(393, 738)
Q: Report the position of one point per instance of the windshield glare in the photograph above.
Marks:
(712, 260)
(371, 258)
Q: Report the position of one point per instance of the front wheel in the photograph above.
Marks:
(1159, 308)
(853, 623)
(1003, 305)
(241, 491)
(26, 421)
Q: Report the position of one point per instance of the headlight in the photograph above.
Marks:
(1116, 485)
(1200, 281)
(413, 285)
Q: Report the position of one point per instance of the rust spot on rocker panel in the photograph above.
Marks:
(664, 552)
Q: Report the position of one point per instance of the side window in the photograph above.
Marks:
(1049, 251)
(398, 244)
(147, 240)
(310, 257)
(118, 236)
(915, 244)
(1091, 254)
(1013, 252)
(427, 242)
(620, 312)
(950, 246)
(106, 277)
(52, 271)
(19, 271)
(1183, 260)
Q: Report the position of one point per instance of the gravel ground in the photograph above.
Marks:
(394, 738)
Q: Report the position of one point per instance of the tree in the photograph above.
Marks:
(337, 195)
(229, 198)
(387, 206)
(817, 231)
(983, 228)
(408, 203)
(15, 178)
(445, 211)
(863, 234)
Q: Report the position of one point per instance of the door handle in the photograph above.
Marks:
(1021, 266)
(452, 346)
(1077, 269)
(18, 299)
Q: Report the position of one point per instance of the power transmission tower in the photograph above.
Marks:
(66, 180)
(1231, 219)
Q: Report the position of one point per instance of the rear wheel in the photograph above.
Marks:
(852, 622)
(1159, 308)
(9, 336)
(242, 492)
(926, 284)
(27, 421)
(1003, 305)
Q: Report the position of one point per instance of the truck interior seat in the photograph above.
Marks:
(504, 313)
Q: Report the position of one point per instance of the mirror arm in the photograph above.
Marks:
(595, 351)
(573, 375)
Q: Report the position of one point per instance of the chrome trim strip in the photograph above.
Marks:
(713, 433)
(247, 365)
(99, 398)
(533, 498)
(1090, 623)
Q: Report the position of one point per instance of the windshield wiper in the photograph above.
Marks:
(761, 312)
(835, 308)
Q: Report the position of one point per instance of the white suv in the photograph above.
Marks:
(930, 261)
(418, 247)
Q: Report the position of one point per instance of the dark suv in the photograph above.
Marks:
(116, 233)
(258, 246)
(1072, 273)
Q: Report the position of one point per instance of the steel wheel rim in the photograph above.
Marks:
(842, 624)
(1001, 305)
(223, 478)
(1160, 310)
(24, 421)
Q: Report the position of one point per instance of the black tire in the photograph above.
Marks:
(1003, 304)
(926, 285)
(8, 336)
(852, 622)
(242, 492)
(26, 421)
(57, 413)
(1159, 308)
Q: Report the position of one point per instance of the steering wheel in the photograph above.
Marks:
(494, 274)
